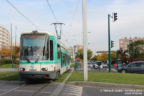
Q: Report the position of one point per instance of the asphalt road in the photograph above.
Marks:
(58, 89)
(99, 91)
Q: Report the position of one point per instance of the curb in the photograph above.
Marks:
(107, 85)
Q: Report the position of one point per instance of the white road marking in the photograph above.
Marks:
(24, 90)
(72, 91)
(46, 92)
(68, 76)
(57, 91)
(9, 91)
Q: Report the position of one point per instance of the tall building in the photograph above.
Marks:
(123, 43)
(4, 38)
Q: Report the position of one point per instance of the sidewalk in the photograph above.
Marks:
(8, 69)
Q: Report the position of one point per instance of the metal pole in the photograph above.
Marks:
(84, 5)
(15, 42)
(117, 53)
(11, 46)
(109, 43)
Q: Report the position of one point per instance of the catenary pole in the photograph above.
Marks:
(84, 10)
(109, 43)
(15, 41)
(11, 46)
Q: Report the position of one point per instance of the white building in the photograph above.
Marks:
(71, 50)
(4, 38)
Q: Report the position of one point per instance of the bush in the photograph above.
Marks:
(5, 61)
(16, 62)
(8, 61)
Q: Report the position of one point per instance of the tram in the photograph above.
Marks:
(42, 56)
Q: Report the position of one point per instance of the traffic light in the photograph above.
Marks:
(115, 16)
(112, 44)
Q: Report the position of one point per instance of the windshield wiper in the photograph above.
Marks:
(37, 59)
(27, 60)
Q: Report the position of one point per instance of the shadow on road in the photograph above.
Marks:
(37, 81)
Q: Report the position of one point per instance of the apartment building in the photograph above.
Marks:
(123, 43)
(4, 38)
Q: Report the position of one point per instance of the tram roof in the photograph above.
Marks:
(28, 32)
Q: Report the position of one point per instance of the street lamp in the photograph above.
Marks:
(84, 9)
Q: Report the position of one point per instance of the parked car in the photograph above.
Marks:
(133, 67)
(90, 65)
(95, 66)
(103, 65)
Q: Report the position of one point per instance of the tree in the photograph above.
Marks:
(89, 53)
(123, 55)
(94, 58)
(80, 54)
(136, 50)
(5, 52)
(113, 56)
(102, 57)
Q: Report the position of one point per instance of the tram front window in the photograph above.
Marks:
(33, 47)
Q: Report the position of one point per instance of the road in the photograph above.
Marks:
(58, 89)
(50, 88)
(99, 91)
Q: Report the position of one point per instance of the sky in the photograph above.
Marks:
(130, 21)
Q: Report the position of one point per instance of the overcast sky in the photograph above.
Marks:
(130, 21)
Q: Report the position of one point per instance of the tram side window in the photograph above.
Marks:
(47, 49)
(66, 59)
(58, 51)
(63, 59)
(51, 50)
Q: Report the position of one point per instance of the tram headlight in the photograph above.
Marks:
(22, 69)
(44, 69)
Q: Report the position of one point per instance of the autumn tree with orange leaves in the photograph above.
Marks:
(6, 52)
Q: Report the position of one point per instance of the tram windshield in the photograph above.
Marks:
(33, 47)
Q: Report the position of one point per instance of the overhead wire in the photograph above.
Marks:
(32, 23)
(76, 8)
(52, 11)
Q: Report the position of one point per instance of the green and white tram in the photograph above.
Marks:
(42, 55)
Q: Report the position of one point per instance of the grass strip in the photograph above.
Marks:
(9, 76)
(119, 78)
(62, 77)
(7, 66)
